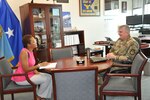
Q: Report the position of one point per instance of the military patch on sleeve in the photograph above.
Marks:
(132, 52)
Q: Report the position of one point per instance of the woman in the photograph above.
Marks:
(27, 64)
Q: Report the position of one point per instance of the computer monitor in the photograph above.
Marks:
(134, 20)
(146, 19)
(108, 39)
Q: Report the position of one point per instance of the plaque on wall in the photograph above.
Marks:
(62, 1)
(89, 7)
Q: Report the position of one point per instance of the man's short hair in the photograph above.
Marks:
(126, 27)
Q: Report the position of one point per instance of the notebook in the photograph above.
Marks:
(95, 59)
(50, 65)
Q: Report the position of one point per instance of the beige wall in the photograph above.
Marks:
(96, 28)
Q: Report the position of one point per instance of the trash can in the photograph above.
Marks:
(147, 68)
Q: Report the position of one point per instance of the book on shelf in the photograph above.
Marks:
(71, 39)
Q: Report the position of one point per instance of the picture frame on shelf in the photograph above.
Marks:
(89, 7)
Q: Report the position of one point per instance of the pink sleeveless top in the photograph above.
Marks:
(31, 62)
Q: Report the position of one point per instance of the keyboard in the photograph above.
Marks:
(95, 59)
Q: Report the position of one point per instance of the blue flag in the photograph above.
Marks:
(5, 49)
(11, 27)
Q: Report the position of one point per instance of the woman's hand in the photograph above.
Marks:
(44, 64)
(36, 72)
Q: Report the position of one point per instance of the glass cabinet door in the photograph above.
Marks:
(39, 24)
(55, 27)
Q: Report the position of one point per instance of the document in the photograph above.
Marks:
(50, 65)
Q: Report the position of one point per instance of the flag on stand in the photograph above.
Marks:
(11, 27)
(5, 49)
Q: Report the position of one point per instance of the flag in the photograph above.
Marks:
(11, 27)
(5, 49)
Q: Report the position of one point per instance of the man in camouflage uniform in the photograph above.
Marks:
(125, 48)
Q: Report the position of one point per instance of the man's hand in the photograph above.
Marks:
(111, 56)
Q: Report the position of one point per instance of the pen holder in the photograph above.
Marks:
(80, 60)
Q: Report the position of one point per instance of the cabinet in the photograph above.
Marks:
(75, 39)
(44, 22)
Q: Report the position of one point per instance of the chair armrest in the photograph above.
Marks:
(106, 80)
(124, 75)
(10, 75)
(24, 74)
(115, 64)
(109, 75)
(27, 78)
(15, 67)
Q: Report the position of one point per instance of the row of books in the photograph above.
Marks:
(71, 39)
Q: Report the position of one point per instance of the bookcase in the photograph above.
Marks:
(44, 22)
(75, 39)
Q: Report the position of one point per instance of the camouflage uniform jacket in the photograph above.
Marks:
(125, 49)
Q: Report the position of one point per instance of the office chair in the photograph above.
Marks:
(58, 53)
(78, 83)
(7, 86)
(125, 84)
(138, 41)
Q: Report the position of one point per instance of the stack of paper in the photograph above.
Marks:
(50, 65)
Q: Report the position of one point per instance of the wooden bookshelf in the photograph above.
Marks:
(75, 39)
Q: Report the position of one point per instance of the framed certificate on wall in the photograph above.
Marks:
(62, 1)
(111, 4)
(89, 7)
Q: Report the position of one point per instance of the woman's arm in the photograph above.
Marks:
(24, 61)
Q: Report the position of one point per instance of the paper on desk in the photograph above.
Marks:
(50, 65)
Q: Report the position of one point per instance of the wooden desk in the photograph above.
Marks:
(145, 49)
(145, 39)
(71, 63)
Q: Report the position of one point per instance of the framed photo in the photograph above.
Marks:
(111, 4)
(137, 4)
(147, 2)
(62, 1)
(66, 21)
(89, 7)
(111, 7)
(124, 6)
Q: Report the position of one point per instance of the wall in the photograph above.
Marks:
(96, 28)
